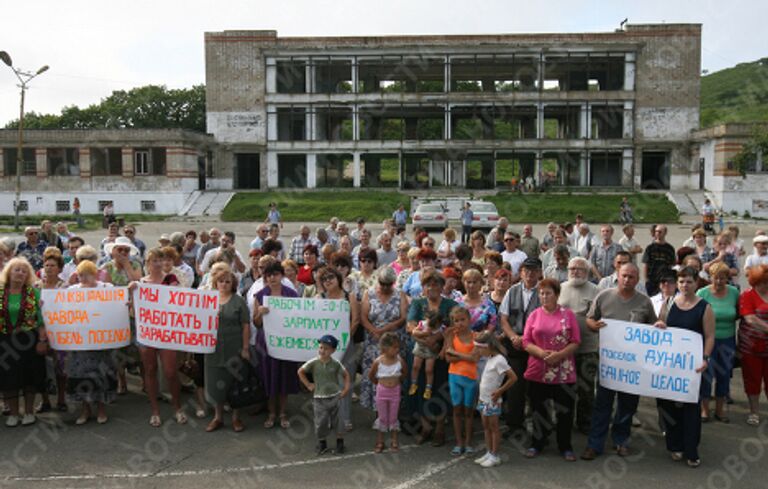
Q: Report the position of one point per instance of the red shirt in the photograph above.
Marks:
(305, 275)
(752, 340)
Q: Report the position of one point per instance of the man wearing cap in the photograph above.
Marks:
(519, 302)
(760, 256)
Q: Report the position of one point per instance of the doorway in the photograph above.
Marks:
(247, 171)
(656, 170)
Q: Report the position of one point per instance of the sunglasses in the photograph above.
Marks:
(509, 240)
(365, 260)
(328, 278)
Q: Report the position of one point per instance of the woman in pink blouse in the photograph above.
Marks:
(551, 339)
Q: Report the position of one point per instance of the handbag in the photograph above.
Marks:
(248, 389)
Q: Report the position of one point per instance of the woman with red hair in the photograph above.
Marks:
(753, 339)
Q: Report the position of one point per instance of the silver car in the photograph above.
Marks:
(430, 216)
(486, 216)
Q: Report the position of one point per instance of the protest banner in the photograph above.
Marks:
(293, 326)
(86, 319)
(175, 318)
(641, 359)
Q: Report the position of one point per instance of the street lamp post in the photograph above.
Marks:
(24, 78)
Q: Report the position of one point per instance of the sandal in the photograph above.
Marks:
(723, 419)
(694, 463)
(181, 418)
(83, 418)
(677, 456)
(394, 447)
(270, 422)
(423, 436)
(200, 413)
(102, 419)
(457, 450)
(532, 453)
(438, 439)
(753, 419)
(569, 456)
(284, 423)
(154, 421)
(237, 425)
(378, 448)
(214, 425)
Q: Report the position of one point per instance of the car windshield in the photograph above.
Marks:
(430, 208)
(483, 207)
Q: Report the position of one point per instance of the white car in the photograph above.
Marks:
(486, 216)
(430, 216)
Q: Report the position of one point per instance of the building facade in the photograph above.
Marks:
(610, 110)
(139, 170)
(713, 152)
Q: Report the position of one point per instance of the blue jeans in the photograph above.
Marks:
(719, 369)
(626, 407)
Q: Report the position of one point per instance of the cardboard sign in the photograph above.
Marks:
(86, 319)
(641, 359)
(176, 318)
(293, 326)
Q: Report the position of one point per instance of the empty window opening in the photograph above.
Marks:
(379, 170)
(479, 171)
(607, 122)
(416, 171)
(63, 161)
(292, 171)
(401, 123)
(334, 124)
(561, 121)
(106, 161)
(563, 169)
(333, 76)
(512, 169)
(27, 156)
(401, 74)
(292, 124)
(335, 170)
(584, 72)
(605, 169)
(291, 76)
(494, 74)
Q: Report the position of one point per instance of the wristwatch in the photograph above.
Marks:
(706, 358)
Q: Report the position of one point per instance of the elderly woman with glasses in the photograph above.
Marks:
(366, 276)
(383, 310)
(413, 286)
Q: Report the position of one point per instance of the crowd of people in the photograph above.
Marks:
(494, 323)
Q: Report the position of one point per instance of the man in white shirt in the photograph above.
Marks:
(760, 256)
(511, 254)
(585, 240)
(629, 243)
(262, 233)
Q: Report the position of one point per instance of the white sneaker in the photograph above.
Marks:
(480, 460)
(12, 421)
(491, 461)
(28, 419)
(636, 423)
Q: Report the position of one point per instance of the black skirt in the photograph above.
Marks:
(20, 365)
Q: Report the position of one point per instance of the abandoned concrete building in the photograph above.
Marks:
(608, 110)
(139, 170)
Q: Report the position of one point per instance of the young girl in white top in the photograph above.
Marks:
(387, 373)
(497, 378)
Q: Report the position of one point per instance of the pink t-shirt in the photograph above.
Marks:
(551, 332)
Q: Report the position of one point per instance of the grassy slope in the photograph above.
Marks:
(738, 94)
(315, 206)
(647, 208)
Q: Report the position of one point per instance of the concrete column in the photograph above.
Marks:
(356, 169)
(309, 77)
(447, 75)
(400, 169)
(537, 176)
(127, 162)
(627, 161)
(85, 162)
(355, 123)
(628, 131)
(584, 122)
(447, 129)
(539, 120)
(354, 76)
(584, 169)
(271, 76)
(629, 71)
(311, 170)
(2, 163)
(41, 162)
(309, 125)
(271, 169)
(271, 123)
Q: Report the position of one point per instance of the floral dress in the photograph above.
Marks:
(379, 315)
(483, 316)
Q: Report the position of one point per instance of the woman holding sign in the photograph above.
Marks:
(91, 375)
(155, 261)
(691, 312)
(279, 376)
(22, 339)
(231, 346)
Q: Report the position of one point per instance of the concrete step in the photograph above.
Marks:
(209, 204)
(191, 199)
(219, 202)
(201, 204)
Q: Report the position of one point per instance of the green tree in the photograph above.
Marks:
(756, 148)
(148, 107)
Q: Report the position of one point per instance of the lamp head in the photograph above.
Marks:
(6, 58)
(42, 70)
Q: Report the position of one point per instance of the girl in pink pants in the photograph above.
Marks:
(387, 373)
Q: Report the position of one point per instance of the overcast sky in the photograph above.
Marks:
(95, 47)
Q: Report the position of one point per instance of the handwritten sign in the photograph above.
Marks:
(86, 319)
(641, 359)
(293, 326)
(175, 318)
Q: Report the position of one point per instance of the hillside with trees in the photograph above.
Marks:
(737, 94)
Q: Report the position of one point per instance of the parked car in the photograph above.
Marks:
(430, 216)
(486, 216)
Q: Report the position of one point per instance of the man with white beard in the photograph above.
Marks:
(577, 294)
